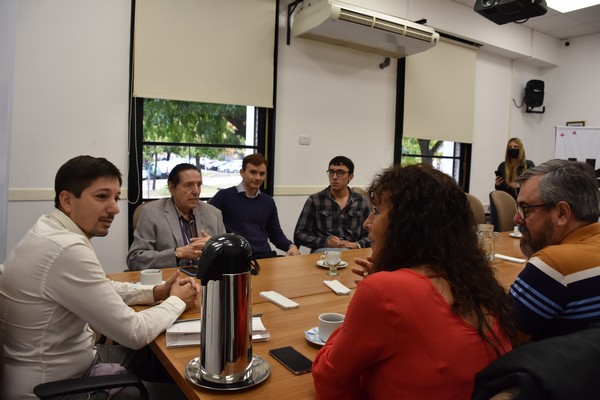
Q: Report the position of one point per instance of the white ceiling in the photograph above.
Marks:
(561, 26)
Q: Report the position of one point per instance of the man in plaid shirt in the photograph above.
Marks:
(333, 218)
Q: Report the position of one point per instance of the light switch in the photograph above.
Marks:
(305, 140)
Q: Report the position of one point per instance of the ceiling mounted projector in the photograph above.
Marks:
(504, 11)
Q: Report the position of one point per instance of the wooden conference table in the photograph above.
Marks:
(300, 279)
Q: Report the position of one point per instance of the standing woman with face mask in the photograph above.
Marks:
(514, 164)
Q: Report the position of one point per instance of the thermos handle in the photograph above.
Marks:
(254, 266)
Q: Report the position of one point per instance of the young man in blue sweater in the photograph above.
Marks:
(252, 214)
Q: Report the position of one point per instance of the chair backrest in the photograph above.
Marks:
(502, 211)
(136, 214)
(476, 208)
(361, 191)
(561, 368)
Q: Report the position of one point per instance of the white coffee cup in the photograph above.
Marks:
(329, 322)
(151, 277)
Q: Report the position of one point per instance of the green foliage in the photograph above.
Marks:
(415, 151)
(176, 122)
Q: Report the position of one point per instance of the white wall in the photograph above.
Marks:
(576, 94)
(71, 80)
(344, 102)
(8, 27)
(70, 98)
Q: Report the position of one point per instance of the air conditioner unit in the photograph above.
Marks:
(347, 25)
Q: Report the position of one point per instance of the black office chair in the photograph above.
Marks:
(50, 390)
(80, 385)
(560, 368)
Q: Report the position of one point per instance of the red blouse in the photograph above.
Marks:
(401, 340)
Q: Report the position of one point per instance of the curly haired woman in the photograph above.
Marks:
(429, 312)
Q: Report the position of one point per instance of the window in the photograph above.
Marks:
(448, 157)
(442, 151)
(179, 58)
(214, 137)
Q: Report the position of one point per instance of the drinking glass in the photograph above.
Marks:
(486, 239)
(332, 259)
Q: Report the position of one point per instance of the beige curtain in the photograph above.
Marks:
(439, 93)
(214, 51)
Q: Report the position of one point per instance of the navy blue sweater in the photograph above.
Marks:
(255, 219)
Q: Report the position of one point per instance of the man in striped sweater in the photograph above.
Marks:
(558, 291)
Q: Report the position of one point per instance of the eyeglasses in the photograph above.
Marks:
(338, 172)
(521, 209)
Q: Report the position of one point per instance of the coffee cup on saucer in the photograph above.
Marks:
(151, 277)
(329, 322)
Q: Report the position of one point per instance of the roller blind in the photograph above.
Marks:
(439, 95)
(213, 51)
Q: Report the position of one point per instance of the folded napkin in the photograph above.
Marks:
(337, 287)
(259, 332)
(511, 259)
(187, 332)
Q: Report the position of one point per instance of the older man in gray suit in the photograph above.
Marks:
(173, 231)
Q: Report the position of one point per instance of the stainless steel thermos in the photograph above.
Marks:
(224, 271)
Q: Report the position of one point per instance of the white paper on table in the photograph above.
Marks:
(187, 333)
(259, 332)
(337, 287)
(184, 333)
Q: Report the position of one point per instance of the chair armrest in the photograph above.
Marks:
(89, 384)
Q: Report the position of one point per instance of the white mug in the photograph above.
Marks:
(328, 323)
(151, 277)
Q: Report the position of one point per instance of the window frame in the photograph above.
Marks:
(264, 135)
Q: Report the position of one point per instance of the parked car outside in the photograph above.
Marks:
(163, 168)
(234, 166)
(215, 165)
(223, 167)
(203, 161)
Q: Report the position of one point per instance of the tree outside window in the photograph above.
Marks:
(448, 157)
(214, 137)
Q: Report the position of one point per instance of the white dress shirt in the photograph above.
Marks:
(51, 287)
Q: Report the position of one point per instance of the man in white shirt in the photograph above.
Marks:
(52, 288)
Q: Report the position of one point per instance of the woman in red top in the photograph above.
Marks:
(430, 313)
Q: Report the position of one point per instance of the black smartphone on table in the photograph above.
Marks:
(191, 270)
(292, 359)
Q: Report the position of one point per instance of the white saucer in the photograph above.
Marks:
(312, 335)
(516, 234)
(322, 264)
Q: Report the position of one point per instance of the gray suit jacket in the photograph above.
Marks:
(158, 233)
